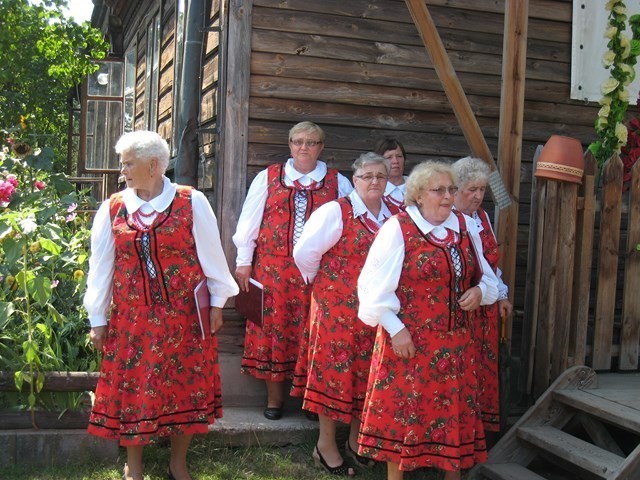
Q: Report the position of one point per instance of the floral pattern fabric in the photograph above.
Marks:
(158, 377)
(423, 412)
(486, 333)
(338, 347)
(271, 352)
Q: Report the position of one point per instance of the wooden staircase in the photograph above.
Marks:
(585, 426)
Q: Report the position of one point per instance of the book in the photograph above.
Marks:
(251, 304)
(203, 305)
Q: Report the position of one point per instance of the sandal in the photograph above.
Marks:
(361, 461)
(341, 470)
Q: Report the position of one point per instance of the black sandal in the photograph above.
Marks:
(361, 461)
(341, 470)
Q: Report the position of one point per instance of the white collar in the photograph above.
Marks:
(159, 203)
(360, 208)
(391, 188)
(317, 174)
(425, 227)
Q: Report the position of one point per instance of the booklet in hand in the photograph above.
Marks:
(251, 304)
(203, 305)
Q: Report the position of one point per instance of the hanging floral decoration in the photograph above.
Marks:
(619, 59)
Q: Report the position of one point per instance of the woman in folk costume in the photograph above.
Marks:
(422, 280)
(278, 204)
(473, 176)
(332, 377)
(392, 150)
(151, 245)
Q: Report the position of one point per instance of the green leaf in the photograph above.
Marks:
(30, 351)
(40, 289)
(40, 382)
(50, 246)
(42, 161)
(18, 379)
(12, 249)
(6, 310)
(5, 228)
(32, 400)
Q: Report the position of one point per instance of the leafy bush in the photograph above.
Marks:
(44, 242)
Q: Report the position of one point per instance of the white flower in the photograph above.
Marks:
(609, 85)
(606, 100)
(611, 4)
(604, 111)
(611, 31)
(608, 58)
(623, 95)
(625, 43)
(601, 122)
(630, 73)
(621, 133)
(620, 9)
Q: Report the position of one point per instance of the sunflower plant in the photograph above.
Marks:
(44, 242)
(620, 59)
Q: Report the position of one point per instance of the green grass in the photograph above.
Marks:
(210, 462)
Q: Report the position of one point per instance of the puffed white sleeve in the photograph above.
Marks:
(488, 282)
(220, 282)
(503, 290)
(378, 281)
(344, 186)
(322, 231)
(250, 220)
(97, 297)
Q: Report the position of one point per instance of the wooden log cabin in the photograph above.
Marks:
(224, 80)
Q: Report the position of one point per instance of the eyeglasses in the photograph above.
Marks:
(370, 178)
(308, 143)
(442, 190)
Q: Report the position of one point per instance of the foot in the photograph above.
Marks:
(341, 470)
(131, 474)
(178, 474)
(361, 461)
(311, 416)
(273, 413)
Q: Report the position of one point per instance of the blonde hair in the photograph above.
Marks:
(422, 174)
(307, 127)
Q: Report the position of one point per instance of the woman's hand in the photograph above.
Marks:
(470, 300)
(403, 344)
(505, 308)
(97, 336)
(243, 274)
(215, 319)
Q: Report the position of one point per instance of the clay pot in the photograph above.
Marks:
(561, 159)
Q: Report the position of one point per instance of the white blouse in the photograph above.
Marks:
(380, 275)
(503, 290)
(323, 230)
(205, 232)
(397, 192)
(250, 219)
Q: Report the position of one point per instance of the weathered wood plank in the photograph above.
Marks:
(55, 382)
(599, 434)
(507, 471)
(573, 449)
(630, 336)
(583, 264)
(607, 263)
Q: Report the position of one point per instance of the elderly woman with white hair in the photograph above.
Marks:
(423, 278)
(473, 177)
(151, 246)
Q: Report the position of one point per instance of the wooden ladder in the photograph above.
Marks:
(603, 416)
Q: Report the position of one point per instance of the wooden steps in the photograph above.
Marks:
(578, 427)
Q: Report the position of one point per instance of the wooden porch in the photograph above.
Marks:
(585, 426)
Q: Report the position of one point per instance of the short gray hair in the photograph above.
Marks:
(371, 158)
(144, 145)
(471, 169)
(421, 176)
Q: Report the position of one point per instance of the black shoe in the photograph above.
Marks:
(342, 470)
(273, 413)
(170, 474)
(361, 461)
(311, 416)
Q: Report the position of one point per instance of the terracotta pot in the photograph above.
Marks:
(561, 159)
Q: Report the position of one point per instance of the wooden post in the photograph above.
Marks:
(630, 336)
(611, 208)
(514, 65)
(234, 133)
(450, 82)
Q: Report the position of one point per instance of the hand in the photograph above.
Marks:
(470, 300)
(215, 319)
(243, 274)
(403, 344)
(505, 308)
(97, 336)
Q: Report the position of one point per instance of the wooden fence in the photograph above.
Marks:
(582, 304)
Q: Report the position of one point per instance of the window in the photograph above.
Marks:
(129, 89)
(102, 115)
(177, 72)
(152, 73)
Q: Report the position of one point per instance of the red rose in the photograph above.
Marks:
(443, 365)
(365, 344)
(268, 301)
(176, 282)
(334, 264)
(383, 372)
(437, 435)
(342, 356)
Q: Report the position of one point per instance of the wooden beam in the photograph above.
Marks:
(450, 83)
(514, 64)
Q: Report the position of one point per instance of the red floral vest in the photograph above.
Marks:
(171, 250)
(489, 243)
(276, 231)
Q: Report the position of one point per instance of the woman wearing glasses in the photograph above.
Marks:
(278, 204)
(330, 255)
(424, 276)
(473, 176)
